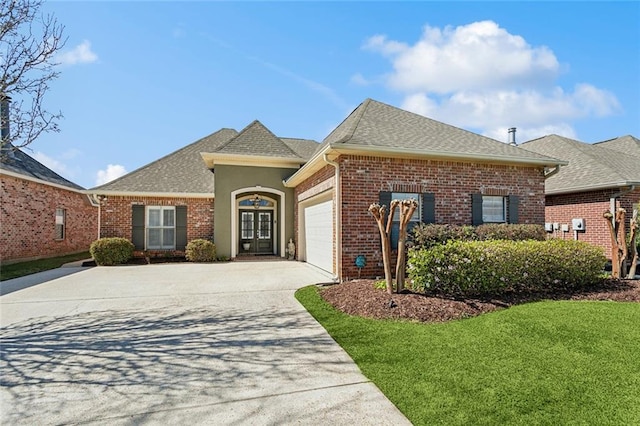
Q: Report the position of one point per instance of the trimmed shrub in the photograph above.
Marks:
(513, 232)
(200, 250)
(111, 251)
(493, 267)
(429, 235)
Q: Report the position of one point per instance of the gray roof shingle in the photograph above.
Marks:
(628, 145)
(182, 171)
(16, 161)
(590, 166)
(375, 124)
(256, 139)
(304, 148)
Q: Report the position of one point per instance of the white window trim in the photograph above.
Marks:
(418, 212)
(147, 227)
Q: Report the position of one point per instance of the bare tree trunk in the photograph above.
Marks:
(633, 227)
(407, 208)
(378, 212)
(618, 251)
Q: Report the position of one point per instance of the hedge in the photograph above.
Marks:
(429, 235)
(111, 251)
(492, 267)
(200, 250)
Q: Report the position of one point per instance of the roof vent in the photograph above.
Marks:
(512, 136)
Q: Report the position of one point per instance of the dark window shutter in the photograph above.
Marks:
(385, 199)
(137, 227)
(181, 227)
(428, 208)
(512, 209)
(476, 209)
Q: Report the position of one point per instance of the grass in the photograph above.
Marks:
(545, 363)
(21, 269)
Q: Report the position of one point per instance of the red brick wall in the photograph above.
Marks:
(452, 182)
(116, 215)
(28, 220)
(589, 206)
(363, 177)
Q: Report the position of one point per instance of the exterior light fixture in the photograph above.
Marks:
(256, 201)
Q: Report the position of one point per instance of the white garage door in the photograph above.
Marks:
(318, 231)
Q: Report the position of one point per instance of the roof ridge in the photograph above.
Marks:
(256, 123)
(350, 132)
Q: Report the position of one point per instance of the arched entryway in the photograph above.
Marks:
(257, 221)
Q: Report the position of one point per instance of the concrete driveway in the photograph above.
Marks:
(178, 344)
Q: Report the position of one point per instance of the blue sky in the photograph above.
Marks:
(142, 79)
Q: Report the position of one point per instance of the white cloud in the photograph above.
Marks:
(482, 77)
(112, 172)
(529, 110)
(359, 80)
(55, 165)
(81, 54)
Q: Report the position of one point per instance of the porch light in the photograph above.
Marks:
(256, 201)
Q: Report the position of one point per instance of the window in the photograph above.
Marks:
(246, 228)
(494, 209)
(161, 228)
(61, 216)
(264, 225)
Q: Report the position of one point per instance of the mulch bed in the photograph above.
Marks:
(361, 298)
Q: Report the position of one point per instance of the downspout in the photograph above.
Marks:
(338, 217)
(614, 197)
(555, 170)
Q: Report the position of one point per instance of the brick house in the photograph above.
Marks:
(251, 191)
(598, 176)
(42, 213)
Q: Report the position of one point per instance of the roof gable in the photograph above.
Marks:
(16, 161)
(257, 140)
(591, 166)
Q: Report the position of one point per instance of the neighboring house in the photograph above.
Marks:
(43, 214)
(252, 191)
(597, 176)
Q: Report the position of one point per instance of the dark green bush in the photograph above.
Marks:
(513, 232)
(111, 251)
(492, 267)
(429, 235)
(200, 250)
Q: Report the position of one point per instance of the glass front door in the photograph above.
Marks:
(256, 231)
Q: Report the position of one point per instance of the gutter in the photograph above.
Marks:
(614, 197)
(338, 217)
(554, 171)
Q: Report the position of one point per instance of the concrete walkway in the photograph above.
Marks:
(178, 344)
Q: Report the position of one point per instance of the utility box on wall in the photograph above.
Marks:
(577, 224)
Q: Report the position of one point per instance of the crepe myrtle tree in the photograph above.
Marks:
(407, 208)
(624, 254)
(29, 43)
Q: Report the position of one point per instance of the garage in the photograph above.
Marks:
(318, 233)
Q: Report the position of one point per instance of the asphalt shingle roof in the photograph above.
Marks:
(256, 139)
(304, 148)
(375, 124)
(182, 171)
(590, 166)
(16, 161)
(628, 145)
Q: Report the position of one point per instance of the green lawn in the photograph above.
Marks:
(547, 363)
(21, 269)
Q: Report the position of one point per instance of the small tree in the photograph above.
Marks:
(407, 208)
(617, 232)
(29, 42)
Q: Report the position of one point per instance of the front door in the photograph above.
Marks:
(256, 231)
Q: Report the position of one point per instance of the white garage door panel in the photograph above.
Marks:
(318, 225)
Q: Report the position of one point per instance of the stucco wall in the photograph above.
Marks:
(27, 224)
(232, 178)
(589, 206)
